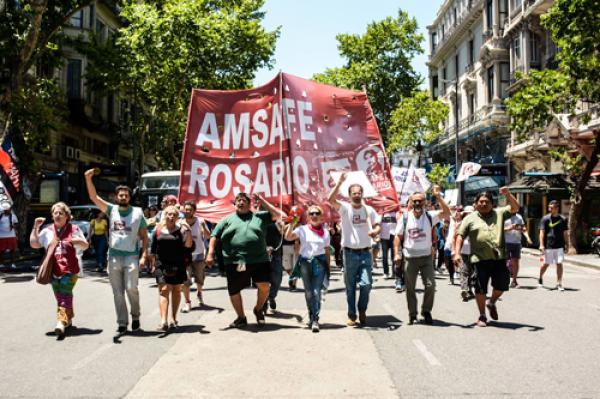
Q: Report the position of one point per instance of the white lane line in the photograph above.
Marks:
(91, 357)
(425, 352)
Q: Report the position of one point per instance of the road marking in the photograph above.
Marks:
(426, 354)
(91, 357)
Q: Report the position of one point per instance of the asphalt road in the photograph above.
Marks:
(546, 345)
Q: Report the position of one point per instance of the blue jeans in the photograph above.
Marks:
(276, 275)
(358, 268)
(100, 246)
(313, 274)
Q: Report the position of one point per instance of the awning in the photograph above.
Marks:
(547, 183)
(480, 183)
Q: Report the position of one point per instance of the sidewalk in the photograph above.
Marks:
(583, 260)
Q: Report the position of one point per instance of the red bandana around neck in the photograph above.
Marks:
(317, 230)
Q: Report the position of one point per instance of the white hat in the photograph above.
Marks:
(468, 209)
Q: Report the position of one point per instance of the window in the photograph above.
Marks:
(489, 13)
(444, 78)
(490, 83)
(503, 12)
(100, 29)
(534, 46)
(433, 40)
(92, 16)
(471, 52)
(76, 20)
(516, 3)
(504, 79)
(434, 86)
(455, 16)
(517, 48)
(471, 103)
(443, 31)
(74, 78)
(456, 66)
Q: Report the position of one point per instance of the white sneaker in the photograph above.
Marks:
(13, 266)
(186, 308)
(60, 328)
(315, 327)
(560, 287)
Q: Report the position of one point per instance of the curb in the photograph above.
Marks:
(534, 253)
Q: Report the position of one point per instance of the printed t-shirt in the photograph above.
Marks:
(356, 224)
(554, 228)
(513, 236)
(418, 240)
(124, 229)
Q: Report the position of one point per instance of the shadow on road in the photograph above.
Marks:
(513, 326)
(75, 332)
(282, 315)
(17, 279)
(382, 322)
(208, 308)
(269, 327)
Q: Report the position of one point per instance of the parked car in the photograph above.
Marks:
(82, 215)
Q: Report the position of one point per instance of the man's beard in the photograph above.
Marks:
(356, 200)
(418, 208)
(123, 203)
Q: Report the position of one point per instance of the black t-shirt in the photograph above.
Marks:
(554, 228)
(169, 248)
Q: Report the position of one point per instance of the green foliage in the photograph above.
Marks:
(172, 46)
(574, 27)
(380, 61)
(439, 175)
(416, 119)
(544, 93)
(573, 164)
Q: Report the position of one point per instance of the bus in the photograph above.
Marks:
(155, 185)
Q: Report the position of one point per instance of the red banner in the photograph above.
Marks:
(281, 140)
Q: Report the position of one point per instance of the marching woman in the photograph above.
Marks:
(171, 241)
(67, 239)
(313, 259)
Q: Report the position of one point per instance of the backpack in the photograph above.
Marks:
(433, 232)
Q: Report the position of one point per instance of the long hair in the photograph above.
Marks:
(163, 222)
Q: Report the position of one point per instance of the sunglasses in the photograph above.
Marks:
(417, 201)
(314, 213)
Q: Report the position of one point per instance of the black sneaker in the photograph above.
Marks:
(260, 317)
(412, 320)
(122, 329)
(464, 295)
(135, 325)
(427, 318)
(272, 304)
(239, 322)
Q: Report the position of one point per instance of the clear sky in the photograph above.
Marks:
(307, 42)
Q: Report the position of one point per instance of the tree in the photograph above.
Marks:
(169, 47)
(439, 175)
(417, 120)
(574, 27)
(379, 61)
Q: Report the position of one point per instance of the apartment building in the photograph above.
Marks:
(469, 69)
(96, 133)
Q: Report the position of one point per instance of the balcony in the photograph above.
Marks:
(462, 23)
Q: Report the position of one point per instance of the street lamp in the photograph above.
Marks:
(456, 169)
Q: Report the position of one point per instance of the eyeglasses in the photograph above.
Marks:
(314, 213)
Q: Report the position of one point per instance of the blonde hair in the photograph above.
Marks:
(317, 207)
(63, 207)
(163, 219)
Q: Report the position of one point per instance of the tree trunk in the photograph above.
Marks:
(577, 199)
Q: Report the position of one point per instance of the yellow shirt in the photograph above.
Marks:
(99, 227)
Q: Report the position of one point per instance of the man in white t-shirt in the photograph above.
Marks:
(8, 238)
(360, 225)
(514, 229)
(415, 231)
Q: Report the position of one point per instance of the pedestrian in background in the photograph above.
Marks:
(485, 229)
(360, 225)
(243, 238)
(465, 268)
(388, 227)
(8, 236)
(275, 251)
(99, 239)
(127, 228)
(554, 236)
(514, 231)
(171, 243)
(313, 259)
(68, 238)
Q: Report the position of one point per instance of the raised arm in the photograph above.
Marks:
(437, 193)
(91, 189)
(275, 212)
(289, 232)
(34, 238)
(512, 201)
(332, 198)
